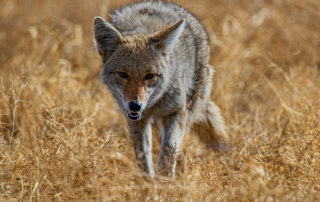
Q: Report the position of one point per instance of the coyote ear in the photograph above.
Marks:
(106, 37)
(166, 38)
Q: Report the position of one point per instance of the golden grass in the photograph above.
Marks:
(63, 138)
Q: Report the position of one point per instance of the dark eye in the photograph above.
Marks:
(123, 75)
(149, 76)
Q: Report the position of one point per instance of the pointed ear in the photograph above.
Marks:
(165, 39)
(106, 37)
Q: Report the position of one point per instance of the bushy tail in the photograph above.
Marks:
(211, 128)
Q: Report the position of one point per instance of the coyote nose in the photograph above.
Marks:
(134, 106)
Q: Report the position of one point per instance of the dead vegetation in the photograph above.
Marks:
(62, 137)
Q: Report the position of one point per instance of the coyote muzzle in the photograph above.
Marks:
(134, 112)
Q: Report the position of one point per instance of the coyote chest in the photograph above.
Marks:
(156, 65)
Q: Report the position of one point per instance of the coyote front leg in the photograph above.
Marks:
(140, 136)
(173, 129)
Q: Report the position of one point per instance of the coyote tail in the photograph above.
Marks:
(210, 128)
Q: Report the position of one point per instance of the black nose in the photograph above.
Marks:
(134, 106)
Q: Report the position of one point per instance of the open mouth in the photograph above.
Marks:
(134, 115)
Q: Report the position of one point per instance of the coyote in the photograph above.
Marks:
(155, 58)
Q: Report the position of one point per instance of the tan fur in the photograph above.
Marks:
(164, 40)
(135, 91)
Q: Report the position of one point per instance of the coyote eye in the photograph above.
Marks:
(123, 75)
(149, 76)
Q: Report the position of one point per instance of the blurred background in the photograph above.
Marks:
(62, 136)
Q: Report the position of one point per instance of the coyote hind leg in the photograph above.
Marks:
(211, 129)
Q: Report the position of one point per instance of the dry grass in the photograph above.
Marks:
(63, 138)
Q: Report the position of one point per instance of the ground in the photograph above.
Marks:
(63, 138)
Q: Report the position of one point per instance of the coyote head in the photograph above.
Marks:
(135, 67)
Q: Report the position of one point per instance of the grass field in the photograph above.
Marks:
(62, 137)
